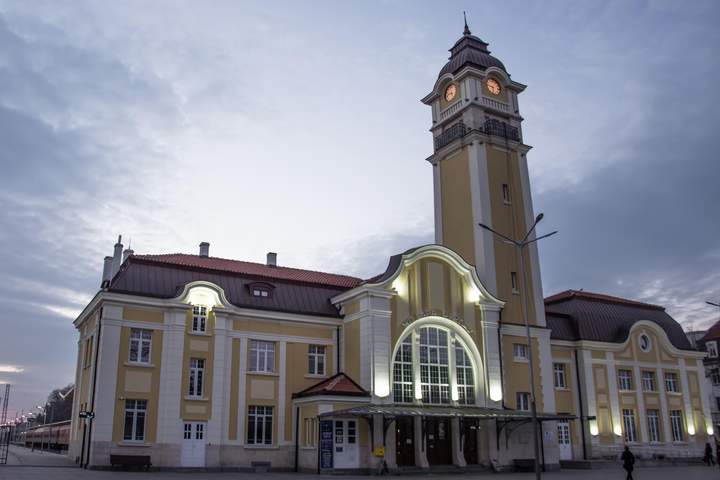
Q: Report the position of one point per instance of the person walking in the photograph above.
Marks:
(708, 458)
(628, 462)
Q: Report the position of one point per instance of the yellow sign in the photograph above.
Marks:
(379, 451)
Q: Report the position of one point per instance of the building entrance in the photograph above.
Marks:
(439, 444)
(470, 441)
(192, 453)
(405, 441)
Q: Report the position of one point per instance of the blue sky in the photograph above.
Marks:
(297, 127)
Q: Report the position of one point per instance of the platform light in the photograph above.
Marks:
(382, 386)
(710, 430)
(691, 429)
(617, 430)
(594, 431)
(400, 286)
(495, 391)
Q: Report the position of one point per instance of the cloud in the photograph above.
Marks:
(11, 369)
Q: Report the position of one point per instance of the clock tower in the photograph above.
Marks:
(480, 173)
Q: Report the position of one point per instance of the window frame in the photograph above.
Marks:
(514, 282)
(560, 376)
(625, 380)
(198, 323)
(196, 377)
(136, 413)
(712, 349)
(140, 342)
(648, 376)
(432, 369)
(266, 353)
(522, 399)
(671, 380)
(317, 357)
(506, 194)
(260, 425)
(525, 352)
(653, 420)
(677, 429)
(629, 427)
(715, 376)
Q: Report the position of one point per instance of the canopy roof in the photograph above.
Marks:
(443, 411)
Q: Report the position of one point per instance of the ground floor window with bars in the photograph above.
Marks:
(260, 425)
(135, 411)
(653, 420)
(629, 424)
(676, 425)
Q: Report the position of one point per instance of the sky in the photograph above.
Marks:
(297, 127)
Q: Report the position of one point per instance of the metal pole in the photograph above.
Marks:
(533, 406)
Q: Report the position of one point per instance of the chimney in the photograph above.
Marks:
(272, 259)
(127, 253)
(204, 249)
(117, 257)
(107, 270)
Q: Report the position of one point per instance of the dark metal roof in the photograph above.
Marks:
(577, 315)
(338, 384)
(443, 411)
(153, 276)
(470, 50)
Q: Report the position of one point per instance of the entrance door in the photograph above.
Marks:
(193, 445)
(470, 441)
(405, 441)
(564, 440)
(345, 453)
(439, 444)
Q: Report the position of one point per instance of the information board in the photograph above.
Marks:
(326, 444)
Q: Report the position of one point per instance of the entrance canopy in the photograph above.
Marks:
(443, 411)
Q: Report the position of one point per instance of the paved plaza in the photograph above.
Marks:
(26, 465)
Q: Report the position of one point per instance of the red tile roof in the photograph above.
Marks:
(339, 384)
(255, 269)
(713, 332)
(568, 294)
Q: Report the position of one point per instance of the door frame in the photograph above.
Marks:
(196, 429)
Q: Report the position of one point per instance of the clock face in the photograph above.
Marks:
(450, 92)
(493, 86)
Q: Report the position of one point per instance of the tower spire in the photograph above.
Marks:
(466, 31)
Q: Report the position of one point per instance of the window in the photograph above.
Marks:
(187, 432)
(140, 341)
(310, 432)
(403, 372)
(629, 423)
(262, 356)
(717, 402)
(653, 419)
(260, 292)
(316, 360)
(520, 352)
(464, 376)
(135, 411)
(648, 381)
(260, 427)
(351, 432)
(88, 352)
(711, 349)
(514, 282)
(522, 401)
(434, 365)
(715, 376)
(199, 318)
(671, 382)
(676, 425)
(506, 193)
(197, 370)
(559, 371)
(625, 379)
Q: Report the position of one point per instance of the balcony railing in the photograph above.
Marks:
(501, 129)
(455, 131)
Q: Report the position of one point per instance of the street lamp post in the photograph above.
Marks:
(520, 246)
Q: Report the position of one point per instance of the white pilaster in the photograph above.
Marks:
(171, 367)
(664, 412)
(241, 389)
(642, 419)
(437, 190)
(687, 401)
(614, 399)
(107, 365)
(482, 213)
(546, 372)
(217, 425)
(704, 396)
(588, 380)
(282, 381)
(494, 389)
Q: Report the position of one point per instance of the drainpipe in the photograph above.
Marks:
(297, 437)
(92, 398)
(337, 350)
(580, 403)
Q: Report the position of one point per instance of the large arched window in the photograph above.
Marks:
(432, 364)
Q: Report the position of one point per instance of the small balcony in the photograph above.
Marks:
(501, 129)
(490, 127)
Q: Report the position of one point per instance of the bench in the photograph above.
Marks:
(260, 467)
(131, 461)
(524, 464)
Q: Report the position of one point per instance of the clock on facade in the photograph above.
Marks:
(450, 92)
(493, 86)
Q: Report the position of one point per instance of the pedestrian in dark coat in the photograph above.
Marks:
(708, 458)
(628, 462)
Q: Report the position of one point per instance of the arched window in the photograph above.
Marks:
(433, 359)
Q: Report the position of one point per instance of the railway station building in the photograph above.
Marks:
(199, 361)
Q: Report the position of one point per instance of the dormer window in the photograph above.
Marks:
(260, 289)
(199, 319)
